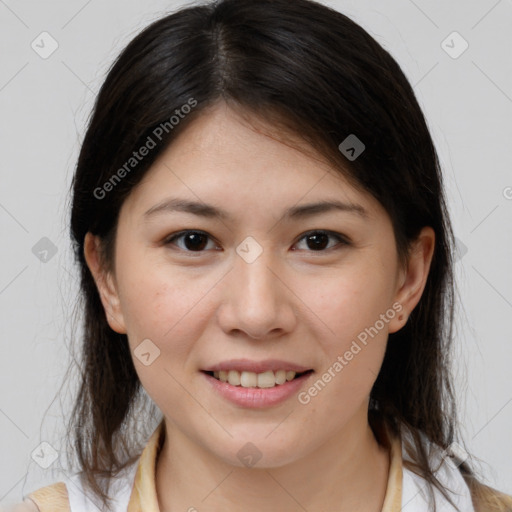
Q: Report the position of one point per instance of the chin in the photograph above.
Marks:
(258, 451)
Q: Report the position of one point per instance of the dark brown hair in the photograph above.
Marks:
(306, 70)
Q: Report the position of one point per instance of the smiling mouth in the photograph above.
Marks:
(246, 379)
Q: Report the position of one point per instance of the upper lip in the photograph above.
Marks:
(256, 366)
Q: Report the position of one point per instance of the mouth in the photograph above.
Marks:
(263, 380)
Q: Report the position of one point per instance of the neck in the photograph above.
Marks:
(350, 470)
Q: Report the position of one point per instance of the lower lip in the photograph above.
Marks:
(257, 398)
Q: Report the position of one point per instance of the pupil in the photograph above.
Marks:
(320, 241)
(195, 241)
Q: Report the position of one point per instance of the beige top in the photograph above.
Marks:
(143, 497)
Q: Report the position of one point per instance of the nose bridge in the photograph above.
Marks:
(257, 281)
(256, 302)
(255, 284)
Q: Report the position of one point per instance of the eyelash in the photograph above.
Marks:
(342, 240)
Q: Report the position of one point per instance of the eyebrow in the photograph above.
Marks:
(210, 211)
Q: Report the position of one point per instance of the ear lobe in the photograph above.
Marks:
(105, 283)
(414, 278)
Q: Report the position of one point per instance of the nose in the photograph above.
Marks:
(256, 300)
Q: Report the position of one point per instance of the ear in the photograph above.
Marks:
(412, 280)
(105, 283)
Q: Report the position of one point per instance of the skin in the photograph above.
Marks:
(293, 303)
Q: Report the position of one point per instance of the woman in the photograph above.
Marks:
(227, 142)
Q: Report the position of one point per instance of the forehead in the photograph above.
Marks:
(224, 159)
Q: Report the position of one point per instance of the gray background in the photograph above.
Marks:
(44, 104)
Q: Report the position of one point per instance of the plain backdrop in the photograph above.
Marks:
(463, 82)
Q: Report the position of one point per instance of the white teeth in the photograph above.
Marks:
(267, 379)
(290, 375)
(234, 378)
(280, 377)
(248, 379)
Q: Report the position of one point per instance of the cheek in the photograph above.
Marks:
(352, 334)
(350, 301)
(161, 305)
(161, 316)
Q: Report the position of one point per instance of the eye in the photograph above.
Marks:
(197, 241)
(319, 240)
(193, 241)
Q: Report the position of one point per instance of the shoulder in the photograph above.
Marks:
(482, 497)
(52, 498)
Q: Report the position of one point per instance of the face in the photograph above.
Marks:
(252, 278)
